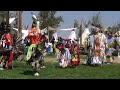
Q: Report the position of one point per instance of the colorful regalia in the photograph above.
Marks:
(100, 43)
(75, 53)
(34, 40)
(110, 48)
(64, 56)
(85, 43)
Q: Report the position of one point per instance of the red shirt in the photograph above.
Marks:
(34, 39)
(9, 41)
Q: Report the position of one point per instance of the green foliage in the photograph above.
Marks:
(2, 13)
(115, 28)
(96, 20)
(49, 18)
(76, 24)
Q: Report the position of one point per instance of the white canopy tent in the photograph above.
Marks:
(70, 33)
(55, 36)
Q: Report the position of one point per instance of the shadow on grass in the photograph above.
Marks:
(14, 66)
(66, 67)
(86, 65)
(28, 72)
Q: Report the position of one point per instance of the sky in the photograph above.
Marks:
(109, 18)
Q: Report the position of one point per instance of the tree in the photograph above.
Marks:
(81, 30)
(76, 24)
(88, 23)
(96, 20)
(118, 25)
(115, 28)
(48, 18)
(2, 17)
(2, 14)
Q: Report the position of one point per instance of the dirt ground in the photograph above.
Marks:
(117, 60)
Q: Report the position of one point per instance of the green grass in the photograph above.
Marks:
(52, 71)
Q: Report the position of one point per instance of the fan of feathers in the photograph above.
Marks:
(18, 49)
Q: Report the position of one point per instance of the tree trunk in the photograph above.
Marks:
(20, 24)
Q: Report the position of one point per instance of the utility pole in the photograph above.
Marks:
(7, 18)
(20, 24)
